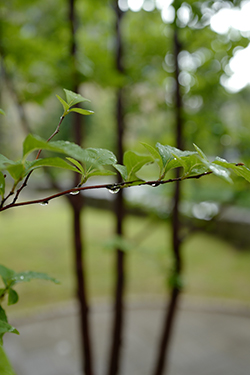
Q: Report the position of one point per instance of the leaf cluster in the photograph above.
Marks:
(10, 278)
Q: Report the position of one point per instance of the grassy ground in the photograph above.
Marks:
(39, 238)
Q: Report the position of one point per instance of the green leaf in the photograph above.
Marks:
(17, 170)
(81, 111)
(2, 185)
(5, 327)
(33, 143)
(73, 98)
(64, 104)
(100, 172)
(134, 162)
(153, 151)
(219, 171)
(4, 161)
(2, 112)
(240, 170)
(51, 162)
(3, 315)
(13, 297)
(5, 366)
(78, 165)
(165, 153)
(6, 273)
(122, 170)
(200, 152)
(88, 156)
(31, 275)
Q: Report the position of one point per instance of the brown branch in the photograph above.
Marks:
(120, 185)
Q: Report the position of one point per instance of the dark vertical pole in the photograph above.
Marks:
(171, 308)
(77, 204)
(116, 343)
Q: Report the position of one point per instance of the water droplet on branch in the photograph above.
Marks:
(75, 192)
(114, 189)
(45, 203)
(155, 184)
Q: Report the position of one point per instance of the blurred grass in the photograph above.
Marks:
(39, 239)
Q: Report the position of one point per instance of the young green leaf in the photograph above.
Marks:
(240, 170)
(12, 297)
(73, 98)
(16, 170)
(6, 274)
(5, 327)
(134, 162)
(122, 170)
(31, 275)
(64, 104)
(4, 162)
(81, 111)
(3, 315)
(49, 162)
(200, 152)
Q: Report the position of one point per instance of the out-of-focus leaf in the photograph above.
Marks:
(31, 275)
(4, 161)
(2, 112)
(81, 111)
(12, 297)
(5, 366)
(238, 168)
(6, 273)
(5, 327)
(2, 184)
(16, 170)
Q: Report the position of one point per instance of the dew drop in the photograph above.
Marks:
(155, 184)
(45, 203)
(114, 189)
(75, 192)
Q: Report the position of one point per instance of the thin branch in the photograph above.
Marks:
(24, 184)
(103, 186)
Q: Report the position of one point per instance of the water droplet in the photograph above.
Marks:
(75, 192)
(175, 159)
(155, 184)
(114, 189)
(45, 203)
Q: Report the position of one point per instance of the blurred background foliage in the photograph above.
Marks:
(36, 64)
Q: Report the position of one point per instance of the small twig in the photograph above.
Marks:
(103, 186)
(24, 184)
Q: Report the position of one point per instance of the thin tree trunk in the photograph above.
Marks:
(77, 204)
(171, 308)
(117, 329)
